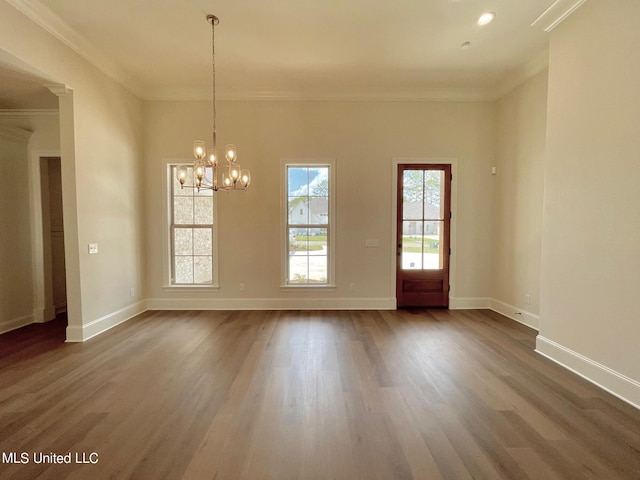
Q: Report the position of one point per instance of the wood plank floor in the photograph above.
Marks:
(417, 394)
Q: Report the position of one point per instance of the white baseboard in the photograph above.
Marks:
(271, 304)
(469, 303)
(43, 315)
(529, 319)
(617, 384)
(81, 333)
(14, 323)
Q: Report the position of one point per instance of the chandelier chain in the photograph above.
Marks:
(213, 81)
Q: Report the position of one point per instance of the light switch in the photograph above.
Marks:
(93, 248)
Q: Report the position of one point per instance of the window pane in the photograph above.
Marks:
(298, 269)
(202, 241)
(183, 210)
(203, 210)
(203, 269)
(183, 241)
(319, 210)
(297, 241)
(298, 181)
(184, 270)
(318, 269)
(319, 182)
(317, 241)
(298, 210)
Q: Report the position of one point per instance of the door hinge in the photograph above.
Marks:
(450, 215)
(451, 176)
(449, 251)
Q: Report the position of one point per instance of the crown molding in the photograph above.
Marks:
(556, 13)
(15, 134)
(29, 113)
(49, 21)
(426, 95)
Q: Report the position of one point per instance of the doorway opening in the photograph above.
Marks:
(54, 273)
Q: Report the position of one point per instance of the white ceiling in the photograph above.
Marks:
(342, 49)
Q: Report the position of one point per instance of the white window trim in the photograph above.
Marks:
(166, 236)
(331, 247)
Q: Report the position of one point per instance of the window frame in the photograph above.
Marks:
(169, 227)
(330, 225)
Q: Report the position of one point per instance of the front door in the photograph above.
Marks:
(423, 231)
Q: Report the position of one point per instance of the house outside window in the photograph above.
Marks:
(308, 223)
(192, 234)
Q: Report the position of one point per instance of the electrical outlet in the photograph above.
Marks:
(527, 299)
(242, 287)
(352, 286)
(132, 292)
(93, 248)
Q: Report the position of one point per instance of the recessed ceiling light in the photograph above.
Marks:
(486, 18)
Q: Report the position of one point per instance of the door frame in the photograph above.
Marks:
(394, 217)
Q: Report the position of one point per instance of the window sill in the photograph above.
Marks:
(293, 288)
(192, 288)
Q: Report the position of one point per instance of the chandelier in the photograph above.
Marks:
(205, 166)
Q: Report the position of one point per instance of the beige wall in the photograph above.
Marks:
(591, 235)
(16, 292)
(364, 138)
(519, 187)
(101, 151)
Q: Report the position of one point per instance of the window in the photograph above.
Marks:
(309, 224)
(191, 232)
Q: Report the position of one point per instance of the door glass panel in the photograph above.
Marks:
(422, 219)
(412, 244)
(433, 193)
(412, 194)
(432, 254)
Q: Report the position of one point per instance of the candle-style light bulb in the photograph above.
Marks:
(231, 153)
(212, 157)
(245, 178)
(234, 173)
(181, 175)
(226, 180)
(199, 150)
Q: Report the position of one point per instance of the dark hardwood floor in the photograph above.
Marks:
(422, 394)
